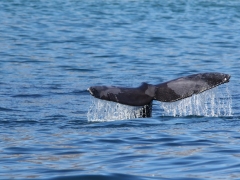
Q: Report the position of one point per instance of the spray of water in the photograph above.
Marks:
(101, 110)
(215, 102)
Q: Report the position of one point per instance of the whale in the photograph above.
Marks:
(170, 91)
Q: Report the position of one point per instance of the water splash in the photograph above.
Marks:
(215, 102)
(101, 110)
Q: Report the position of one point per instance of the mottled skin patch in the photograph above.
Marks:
(170, 91)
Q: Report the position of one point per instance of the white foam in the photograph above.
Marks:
(215, 102)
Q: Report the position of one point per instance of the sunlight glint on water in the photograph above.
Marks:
(213, 103)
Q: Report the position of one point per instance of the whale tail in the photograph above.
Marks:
(170, 91)
(187, 86)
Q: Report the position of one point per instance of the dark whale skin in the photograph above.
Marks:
(170, 91)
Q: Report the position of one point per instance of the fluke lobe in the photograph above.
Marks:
(170, 91)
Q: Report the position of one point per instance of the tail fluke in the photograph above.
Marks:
(129, 96)
(187, 86)
(170, 91)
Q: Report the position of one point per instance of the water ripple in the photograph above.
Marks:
(52, 51)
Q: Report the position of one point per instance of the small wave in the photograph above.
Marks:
(100, 177)
(5, 109)
(73, 68)
(27, 96)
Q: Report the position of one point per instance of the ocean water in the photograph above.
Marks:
(52, 51)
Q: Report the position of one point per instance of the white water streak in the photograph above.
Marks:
(212, 103)
(101, 110)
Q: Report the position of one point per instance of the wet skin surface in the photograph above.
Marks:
(170, 91)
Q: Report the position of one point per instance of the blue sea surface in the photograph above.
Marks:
(52, 51)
